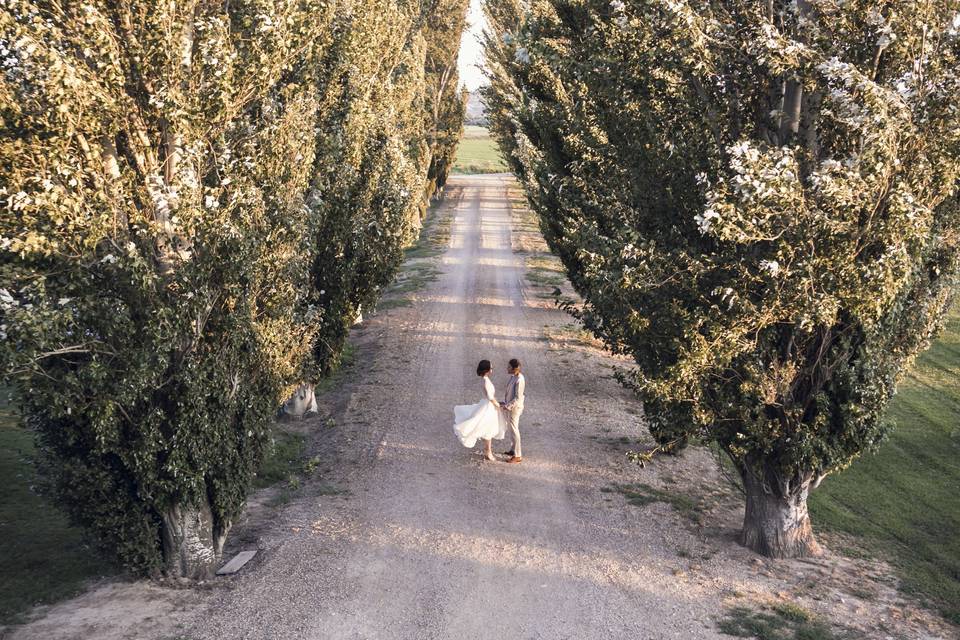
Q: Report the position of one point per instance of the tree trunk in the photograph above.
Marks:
(302, 402)
(192, 544)
(776, 525)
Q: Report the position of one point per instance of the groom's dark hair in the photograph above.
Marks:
(483, 367)
(514, 363)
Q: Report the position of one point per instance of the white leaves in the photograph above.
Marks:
(211, 202)
(522, 55)
(706, 219)
(619, 8)
(954, 29)
(19, 200)
(108, 259)
(875, 18)
(770, 266)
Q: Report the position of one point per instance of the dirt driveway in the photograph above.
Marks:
(429, 541)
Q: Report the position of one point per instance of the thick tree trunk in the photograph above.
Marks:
(302, 402)
(192, 544)
(775, 525)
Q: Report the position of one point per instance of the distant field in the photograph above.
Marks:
(478, 153)
(904, 502)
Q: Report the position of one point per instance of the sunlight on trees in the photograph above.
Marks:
(757, 201)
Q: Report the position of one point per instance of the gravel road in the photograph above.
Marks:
(433, 542)
(403, 534)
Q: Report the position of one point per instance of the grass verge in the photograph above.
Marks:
(286, 466)
(284, 459)
(44, 558)
(903, 504)
(640, 495)
(420, 260)
(781, 621)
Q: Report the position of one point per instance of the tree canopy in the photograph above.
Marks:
(197, 199)
(757, 201)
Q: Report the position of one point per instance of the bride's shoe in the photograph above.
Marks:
(490, 457)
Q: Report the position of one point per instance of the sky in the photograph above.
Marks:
(470, 52)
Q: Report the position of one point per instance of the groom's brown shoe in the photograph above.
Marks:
(515, 459)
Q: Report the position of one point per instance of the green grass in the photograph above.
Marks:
(545, 277)
(904, 502)
(420, 264)
(286, 466)
(478, 153)
(284, 459)
(414, 277)
(782, 621)
(44, 558)
(640, 495)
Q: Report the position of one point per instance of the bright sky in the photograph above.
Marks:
(471, 54)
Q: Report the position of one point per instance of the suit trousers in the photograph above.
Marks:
(513, 418)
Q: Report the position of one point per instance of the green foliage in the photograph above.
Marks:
(759, 207)
(446, 102)
(902, 504)
(200, 197)
(154, 165)
(370, 167)
(394, 114)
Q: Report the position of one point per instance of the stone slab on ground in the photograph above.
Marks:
(236, 563)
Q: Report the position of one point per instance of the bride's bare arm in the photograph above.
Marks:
(491, 392)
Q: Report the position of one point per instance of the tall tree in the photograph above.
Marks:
(198, 199)
(154, 159)
(445, 100)
(394, 114)
(365, 199)
(757, 201)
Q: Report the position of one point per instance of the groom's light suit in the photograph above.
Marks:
(513, 405)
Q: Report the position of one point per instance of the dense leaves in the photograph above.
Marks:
(757, 201)
(446, 101)
(393, 116)
(197, 198)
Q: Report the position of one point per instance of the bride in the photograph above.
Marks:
(484, 420)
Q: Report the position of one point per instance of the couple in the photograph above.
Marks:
(488, 419)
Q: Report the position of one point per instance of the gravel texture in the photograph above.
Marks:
(430, 541)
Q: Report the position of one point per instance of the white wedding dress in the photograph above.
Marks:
(480, 421)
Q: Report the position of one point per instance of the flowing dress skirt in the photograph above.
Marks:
(481, 420)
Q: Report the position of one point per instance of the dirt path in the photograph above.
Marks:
(429, 541)
(436, 543)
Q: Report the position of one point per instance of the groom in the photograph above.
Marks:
(513, 405)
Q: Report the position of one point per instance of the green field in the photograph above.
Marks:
(904, 502)
(478, 153)
(44, 558)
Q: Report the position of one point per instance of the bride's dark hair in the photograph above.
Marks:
(483, 367)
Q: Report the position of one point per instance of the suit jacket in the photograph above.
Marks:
(513, 398)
